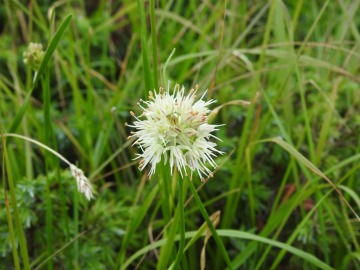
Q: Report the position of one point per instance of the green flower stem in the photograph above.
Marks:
(182, 224)
(149, 84)
(45, 84)
(3, 135)
(211, 226)
(154, 44)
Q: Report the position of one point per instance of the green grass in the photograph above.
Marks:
(287, 187)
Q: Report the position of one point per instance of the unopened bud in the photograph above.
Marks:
(34, 56)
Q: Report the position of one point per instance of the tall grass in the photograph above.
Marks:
(285, 194)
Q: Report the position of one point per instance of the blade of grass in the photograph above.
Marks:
(154, 44)
(211, 226)
(134, 223)
(42, 264)
(297, 252)
(48, 54)
(297, 230)
(18, 225)
(181, 224)
(149, 84)
(8, 213)
(240, 235)
(164, 78)
(45, 83)
(301, 159)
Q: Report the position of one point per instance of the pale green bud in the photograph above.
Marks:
(34, 55)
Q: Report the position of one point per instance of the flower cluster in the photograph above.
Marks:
(174, 126)
(34, 55)
(82, 182)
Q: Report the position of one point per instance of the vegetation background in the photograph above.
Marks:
(288, 186)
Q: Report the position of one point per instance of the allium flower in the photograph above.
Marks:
(174, 127)
(34, 55)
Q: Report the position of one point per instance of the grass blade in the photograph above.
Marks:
(48, 54)
(303, 160)
(149, 84)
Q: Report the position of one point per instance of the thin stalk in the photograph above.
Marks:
(12, 233)
(154, 44)
(182, 224)
(45, 83)
(8, 216)
(211, 226)
(37, 143)
(149, 85)
(18, 224)
(167, 250)
(76, 172)
(76, 228)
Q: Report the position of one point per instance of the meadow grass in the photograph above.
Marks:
(286, 77)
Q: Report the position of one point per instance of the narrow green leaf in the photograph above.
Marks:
(298, 252)
(149, 85)
(241, 235)
(166, 64)
(134, 223)
(18, 224)
(303, 160)
(52, 46)
(48, 54)
(154, 44)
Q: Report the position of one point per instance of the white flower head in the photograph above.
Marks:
(174, 126)
(83, 184)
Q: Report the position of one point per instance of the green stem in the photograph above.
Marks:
(8, 213)
(76, 228)
(182, 224)
(12, 234)
(45, 83)
(210, 225)
(154, 43)
(18, 225)
(149, 84)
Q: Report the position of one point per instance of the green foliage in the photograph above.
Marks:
(287, 187)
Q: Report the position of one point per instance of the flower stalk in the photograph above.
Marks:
(83, 184)
(181, 224)
(209, 223)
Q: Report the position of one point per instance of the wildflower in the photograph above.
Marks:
(174, 127)
(34, 55)
(82, 182)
